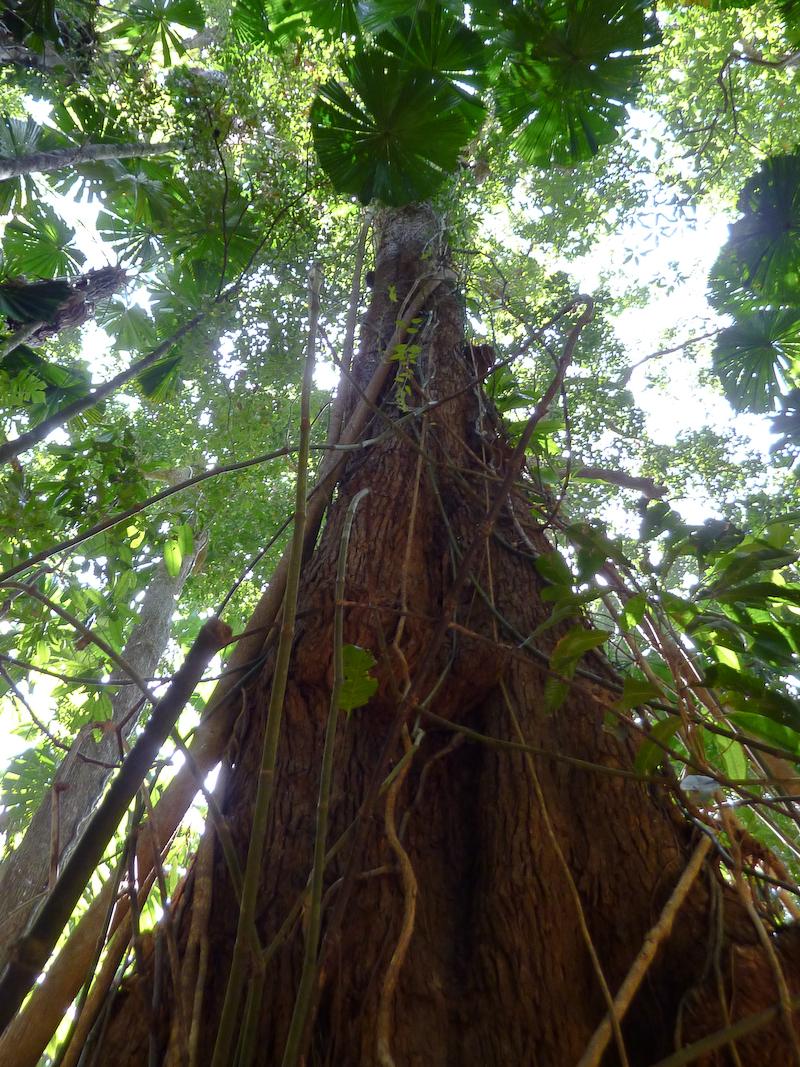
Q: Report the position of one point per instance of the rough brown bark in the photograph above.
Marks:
(497, 972)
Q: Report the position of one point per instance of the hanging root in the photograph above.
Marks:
(409, 880)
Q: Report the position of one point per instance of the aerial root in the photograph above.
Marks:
(409, 884)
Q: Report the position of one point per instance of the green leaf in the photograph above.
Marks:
(682, 611)
(439, 43)
(657, 518)
(747, 692)
(22, 786)
(155, 22)
(757, 593)
(33, 301)
(790, 10)
(633, 611)
(637, 691)
(573, 645)
(555, 693)
(358, 685)
(754, 356)
(650, 753)
(54, 384)
(734, 761)
(553, 567)
(398, 137)
(41, 245)
(767, 730)
(161, 377)
(131, 327)
(570, 70)
(761, 260)
(173, 557)
(250, 22)
(185, 539)
(256, 21)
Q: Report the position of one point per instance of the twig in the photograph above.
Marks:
(652, 941)
(297, 1027)
(34, 948)
(123, 516)
(727, 1035)
(223, 1047)
(84, 631)
(409, 881)
(39, 433)
(573, 889)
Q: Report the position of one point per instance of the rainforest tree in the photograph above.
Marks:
(496, 781)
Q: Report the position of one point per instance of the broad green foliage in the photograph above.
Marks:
(40, 244)
(560, 77)
(567, 72)
(755, 357)
(254, 21)
(437, 42)
(790, 10)
(757, 280)
(36, 23)
(21, 137)
(760, 264)
(158, 22)
(32, 303)
(400, 141)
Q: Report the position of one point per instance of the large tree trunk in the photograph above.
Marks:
(497, 971)
(86, 291)
(85, 770)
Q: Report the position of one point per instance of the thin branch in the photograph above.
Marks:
(237, 976)
(669, 351)
(46, 426)
(39, 433)
(653, 939)
(33, 949)
(303, 1000)
(84, 631)
(121, 516)
(726, 1036)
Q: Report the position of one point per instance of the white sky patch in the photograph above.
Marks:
(326, 376)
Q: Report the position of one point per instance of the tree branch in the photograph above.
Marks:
(33, 950)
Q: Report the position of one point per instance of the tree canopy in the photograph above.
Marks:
(170, 171)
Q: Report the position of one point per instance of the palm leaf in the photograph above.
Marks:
(753, 357)
(567, 73)
(32, 302)
(397, 136)
(41, 245)
(790, 10)
(439, 43)
(760, 263)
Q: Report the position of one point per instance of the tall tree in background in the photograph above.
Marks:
(447, 828)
